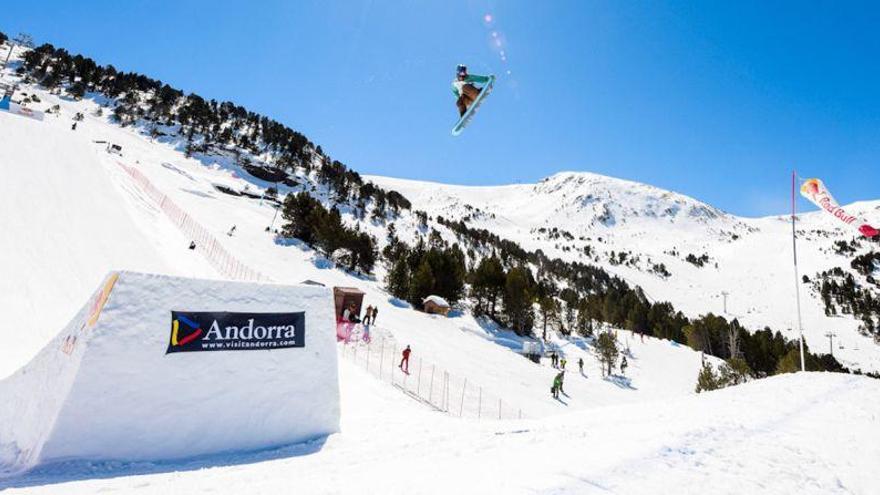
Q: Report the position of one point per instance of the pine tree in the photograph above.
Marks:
(790, 362)
(549, 309)
(707, 379)
(421, 284)
(518, 300)
(487, 283)
(584, 324)
(607, 351)
(734, 372)
(397, 281)
(364, 248)
(297, 211)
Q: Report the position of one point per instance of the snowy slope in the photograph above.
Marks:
(753, 256)
(801, 440)
(67, 221)
(461, 345)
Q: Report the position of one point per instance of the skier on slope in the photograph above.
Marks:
(557, 384)
(464, 89)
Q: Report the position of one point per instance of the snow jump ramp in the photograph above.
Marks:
(157, 367)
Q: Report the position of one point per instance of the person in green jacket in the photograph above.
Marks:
(464, 90)
(557, 386)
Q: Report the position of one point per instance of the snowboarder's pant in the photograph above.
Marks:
(404, 361)
(469, 93)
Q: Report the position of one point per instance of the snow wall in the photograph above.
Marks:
(156, 367)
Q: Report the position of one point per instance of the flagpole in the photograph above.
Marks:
(797, 286)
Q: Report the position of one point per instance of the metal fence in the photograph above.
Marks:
(226, 264)
(426, 382)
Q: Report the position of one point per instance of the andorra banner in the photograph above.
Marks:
(220, 331)
(815, 191)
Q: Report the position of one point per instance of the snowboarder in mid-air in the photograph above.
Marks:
(464, 89)
(468, 96)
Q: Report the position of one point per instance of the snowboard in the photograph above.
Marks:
(469, 114)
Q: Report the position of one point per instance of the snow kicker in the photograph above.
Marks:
(127, 379)
(815, 191)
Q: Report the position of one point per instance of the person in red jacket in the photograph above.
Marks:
(405, 360)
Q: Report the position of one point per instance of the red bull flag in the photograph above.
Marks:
(815, 191)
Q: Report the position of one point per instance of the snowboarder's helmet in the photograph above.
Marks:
(461, 69)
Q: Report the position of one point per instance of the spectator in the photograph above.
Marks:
(405, 360)
(368, 313)
(350, 314)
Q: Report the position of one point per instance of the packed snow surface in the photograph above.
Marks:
(807, 433)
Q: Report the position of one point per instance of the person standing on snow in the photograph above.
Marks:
(581, 365)
(405, 360)
(373, 318)
(623, 365)
(557, 386)
(464, 89)
(367, 314)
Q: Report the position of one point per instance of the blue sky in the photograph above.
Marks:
(718, 100)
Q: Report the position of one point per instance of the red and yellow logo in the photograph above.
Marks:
(194, 330)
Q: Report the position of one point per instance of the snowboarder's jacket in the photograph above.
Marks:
(470, 78)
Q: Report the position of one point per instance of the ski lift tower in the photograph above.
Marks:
(724, 294)
(831, 336)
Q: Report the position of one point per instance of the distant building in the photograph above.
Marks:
(436, 305)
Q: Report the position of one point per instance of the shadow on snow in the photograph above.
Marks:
(64, 472)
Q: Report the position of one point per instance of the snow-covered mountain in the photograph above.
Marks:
(633, 229)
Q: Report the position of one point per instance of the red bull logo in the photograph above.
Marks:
(815, 191)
